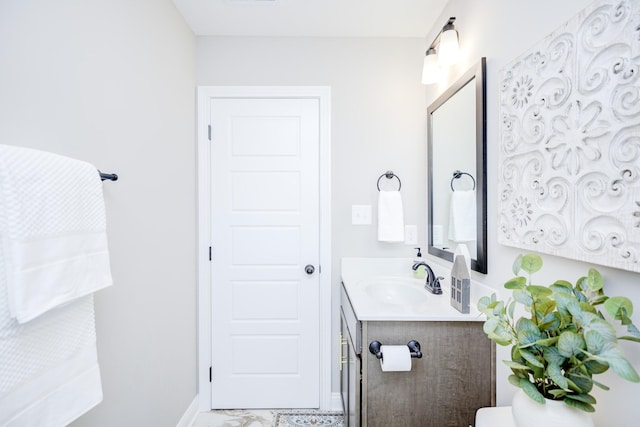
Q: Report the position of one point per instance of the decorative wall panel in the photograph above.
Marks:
(569, 178)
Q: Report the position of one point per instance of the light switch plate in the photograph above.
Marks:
(410, 234)
(360, 214)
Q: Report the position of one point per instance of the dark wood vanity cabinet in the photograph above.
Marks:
(454, 378)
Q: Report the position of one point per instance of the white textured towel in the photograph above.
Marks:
(49, 372)
(463, 216)
(390, 217)
(52, 228)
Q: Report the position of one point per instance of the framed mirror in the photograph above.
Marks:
(456, 151)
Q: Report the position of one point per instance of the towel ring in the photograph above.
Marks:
(389, 175)
(457, 174)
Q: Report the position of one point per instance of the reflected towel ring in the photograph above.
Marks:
(389, 175)
(457, 174)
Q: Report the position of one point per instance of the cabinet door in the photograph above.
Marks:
(454, 378)
(353, 362)
(344, 369)
(350, 377)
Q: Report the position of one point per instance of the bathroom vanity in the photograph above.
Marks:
(381, 301)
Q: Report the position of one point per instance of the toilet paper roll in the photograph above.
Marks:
(395, 358)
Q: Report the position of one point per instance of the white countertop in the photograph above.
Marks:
(358, 273)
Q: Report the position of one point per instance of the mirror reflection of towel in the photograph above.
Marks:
(390, 217)
(462, 216)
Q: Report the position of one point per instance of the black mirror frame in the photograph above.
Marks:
(477, 72)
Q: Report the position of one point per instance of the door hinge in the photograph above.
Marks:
(210, 250)
(209, 132)
(210, 374)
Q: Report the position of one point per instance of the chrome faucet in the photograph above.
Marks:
(433, 282)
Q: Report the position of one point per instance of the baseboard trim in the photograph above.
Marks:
(336, 402)
(190, 414)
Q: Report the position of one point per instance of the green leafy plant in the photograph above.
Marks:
(563, 340)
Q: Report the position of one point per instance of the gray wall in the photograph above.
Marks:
(501, 30)
(112, 82)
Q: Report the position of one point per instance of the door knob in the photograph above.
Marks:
(309, 269)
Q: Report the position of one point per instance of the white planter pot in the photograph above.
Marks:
(554, 413)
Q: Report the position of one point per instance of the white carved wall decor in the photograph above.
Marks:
(569, 178)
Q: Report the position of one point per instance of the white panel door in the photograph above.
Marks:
(265, 231)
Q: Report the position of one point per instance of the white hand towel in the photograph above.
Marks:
(462, 216)
(390, 217)
(53, 230)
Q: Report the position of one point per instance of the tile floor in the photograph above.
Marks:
(236, 418)
(247, 418)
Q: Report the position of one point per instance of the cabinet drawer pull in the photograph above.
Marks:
(341, 359)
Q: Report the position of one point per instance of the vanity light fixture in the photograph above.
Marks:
(447, 54)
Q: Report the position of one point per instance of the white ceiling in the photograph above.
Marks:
(313, 18)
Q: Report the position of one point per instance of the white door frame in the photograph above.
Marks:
(205, 93)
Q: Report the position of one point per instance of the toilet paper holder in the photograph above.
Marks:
(414, 349)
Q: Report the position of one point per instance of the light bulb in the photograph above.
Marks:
(449, 49)
(431, 70)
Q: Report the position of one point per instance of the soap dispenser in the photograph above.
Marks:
(420, 272)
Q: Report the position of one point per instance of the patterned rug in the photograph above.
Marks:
(308, 419)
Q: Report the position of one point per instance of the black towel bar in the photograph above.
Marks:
(108, 176)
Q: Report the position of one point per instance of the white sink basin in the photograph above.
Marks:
(382, 289)
(397, 295)
(396, 290)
